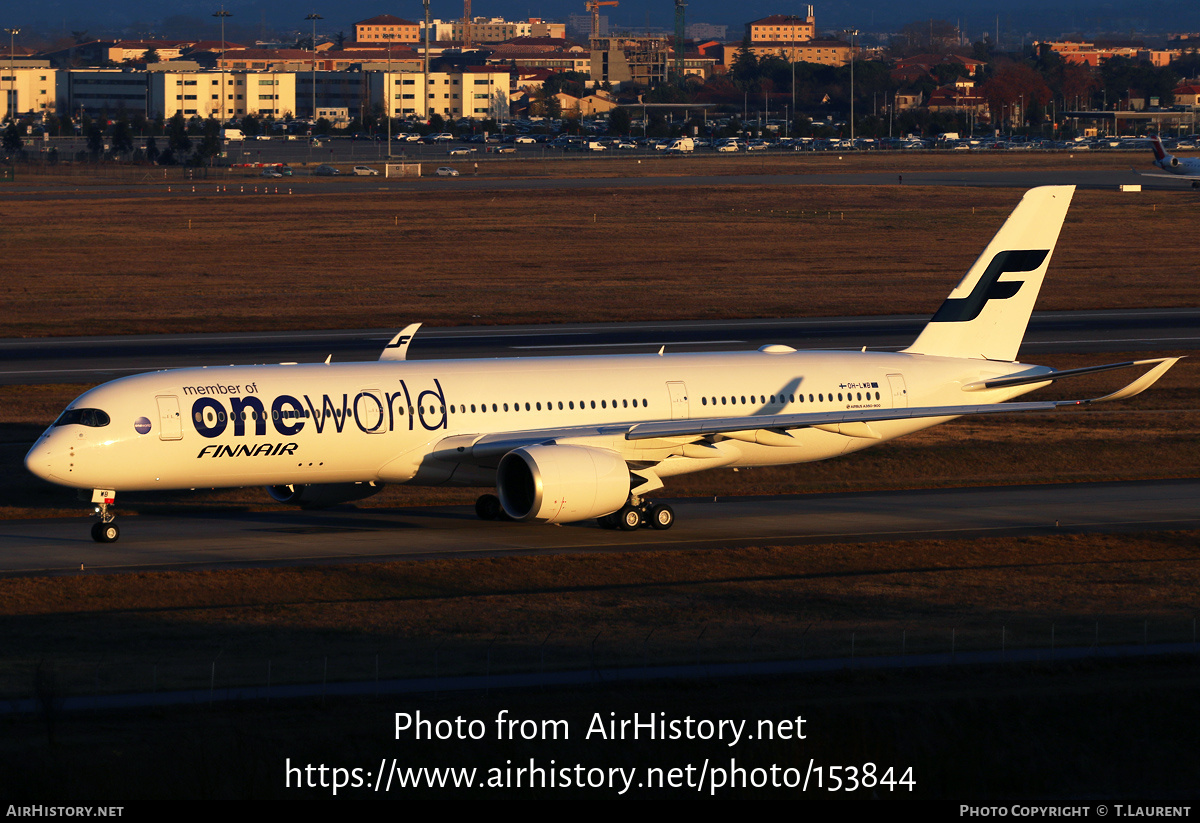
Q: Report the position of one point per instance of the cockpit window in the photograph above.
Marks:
(84, 417)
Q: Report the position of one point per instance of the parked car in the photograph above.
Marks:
(271, 173)
(446, 171)
(365, 171)
(286, 171)
(325, 171)
(459, 152)
(525, 140)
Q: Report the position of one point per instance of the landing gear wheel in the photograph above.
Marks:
(629, 519)
(488, 507)
(105, 532)
(661, 516)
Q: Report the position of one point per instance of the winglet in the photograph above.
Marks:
(1142, 383)
(1040, 375)
(397, 347)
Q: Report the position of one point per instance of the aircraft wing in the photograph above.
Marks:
(1166, 176)
(494, 446)
(773, 429)
(487, 449)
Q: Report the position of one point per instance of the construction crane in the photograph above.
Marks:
(466, 32)
(594, 7)
(679, 27)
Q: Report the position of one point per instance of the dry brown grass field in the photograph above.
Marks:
(222, 262)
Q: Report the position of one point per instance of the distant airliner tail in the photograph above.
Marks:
(987, 313)
(1160, 154)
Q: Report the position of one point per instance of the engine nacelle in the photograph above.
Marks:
(323, 495)
(561, 484)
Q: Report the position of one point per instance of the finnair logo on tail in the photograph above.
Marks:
(989, 287)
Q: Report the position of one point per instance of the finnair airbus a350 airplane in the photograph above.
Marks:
(564, 439)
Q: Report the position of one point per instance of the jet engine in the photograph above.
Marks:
(323, 495)
(561, 484)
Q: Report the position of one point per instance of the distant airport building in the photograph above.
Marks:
(641, 60)
(474, 92)
(783, 28)
(791, 38)
(1187, 95)
(705, 31)
(492, 29)
(579, 26)
(28, 87)
(826, 52)
(386, 27)
(1092, 55)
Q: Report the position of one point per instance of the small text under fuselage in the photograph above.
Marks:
(260, 450)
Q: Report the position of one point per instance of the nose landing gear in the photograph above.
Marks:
(106, 531)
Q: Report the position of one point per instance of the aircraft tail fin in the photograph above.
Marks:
(1160, 154)
(986, 315)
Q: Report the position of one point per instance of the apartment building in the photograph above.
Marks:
(28, 87)
(386, 27)
(783, 28)
(474, 92)
(826, 52)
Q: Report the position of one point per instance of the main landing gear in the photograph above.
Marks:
(632, 516)
(638, 513)
(106, 531)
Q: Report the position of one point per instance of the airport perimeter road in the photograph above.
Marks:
(96, 359)
(347, 535)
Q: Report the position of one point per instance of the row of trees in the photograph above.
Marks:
(191, 143)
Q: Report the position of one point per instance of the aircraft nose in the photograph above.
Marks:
(37, 461)
(41, 460)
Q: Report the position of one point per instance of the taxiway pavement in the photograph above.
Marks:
(215, 540)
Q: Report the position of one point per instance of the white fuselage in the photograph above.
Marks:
(412, 421)
(1183, 166)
